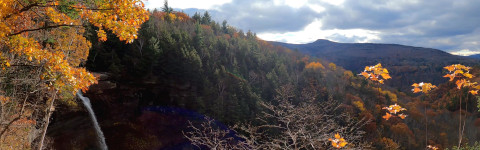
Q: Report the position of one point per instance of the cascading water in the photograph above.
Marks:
(101, 138)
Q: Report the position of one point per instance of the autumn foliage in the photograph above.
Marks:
(314, 66)
(422, 87)
(376, 73)
(47, 37)
(338, 142)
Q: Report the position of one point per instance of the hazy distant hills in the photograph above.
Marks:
(476, 56)
(407, 64)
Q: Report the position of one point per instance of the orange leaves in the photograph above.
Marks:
(338, 142)
(64, 47)
(386, 76)
(451, 76)
(122, 17)
(376, 73)
(458, 71)
(463, 73)
(422, 87)
(102, 36)
(402, 116)
(4, 99)
(394, 109)
(473, 92)
(314, 66)
(387, 116)
(58, 70)
(450, 68)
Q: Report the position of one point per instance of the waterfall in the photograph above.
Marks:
(101, 138)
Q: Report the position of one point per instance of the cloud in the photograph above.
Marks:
(184, 4)
(443, 24)
(267, 16)
(465, 52)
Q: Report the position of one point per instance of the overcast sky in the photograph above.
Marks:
(449, 25)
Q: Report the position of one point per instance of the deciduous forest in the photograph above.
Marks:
(161, 79)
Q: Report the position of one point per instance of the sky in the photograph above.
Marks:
(449, 25)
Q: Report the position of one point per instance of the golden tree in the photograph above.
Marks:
(462, 74)
(42, 45)
(376, 73)
(394, 109)
(425, 88)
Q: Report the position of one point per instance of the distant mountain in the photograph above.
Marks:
(476, 56)
(407, 64)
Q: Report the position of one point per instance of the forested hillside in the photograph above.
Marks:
(407, 64)
(113, 75)
(183, 68)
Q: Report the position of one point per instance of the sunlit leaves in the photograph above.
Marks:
(387, 116)
(394, 109)
(457, 71)
(402, 116)
(463, 74)
(338, 142)
(430, 147)
(314, 66)
(376, 73)
(473, 92)
(58, 70)
(422, 87)
(64, 47)
(122, 17)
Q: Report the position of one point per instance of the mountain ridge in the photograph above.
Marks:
(408, 64)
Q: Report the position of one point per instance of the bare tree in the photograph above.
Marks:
(284, 125)
(208, 134)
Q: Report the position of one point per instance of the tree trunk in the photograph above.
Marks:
(48, 111)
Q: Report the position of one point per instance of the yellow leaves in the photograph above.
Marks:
(458, 71)
(66, 47)
(122, 17)
(338, 142)
(314, 66)
(376, 73)
(473, 92)
(102, 36)
(394, 109)
(430, 147)
(425, 87)
(450, 68)
(380, 81)
(386, 76)
(468, 75)
(359, 105)
(4, 99)
(332, 66)
(58, 70)
(463, 73)
(464, 83)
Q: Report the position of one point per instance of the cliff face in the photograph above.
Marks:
(125, 116)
